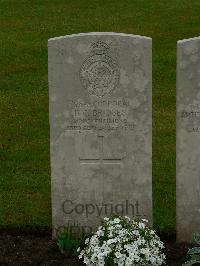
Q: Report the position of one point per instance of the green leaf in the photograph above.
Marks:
(195, 250)
(66, 243)
(195, 257)
(190, 262)
(196, 238)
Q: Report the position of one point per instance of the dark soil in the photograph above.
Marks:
(37, 248)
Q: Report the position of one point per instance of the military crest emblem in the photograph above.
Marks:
(99, 73)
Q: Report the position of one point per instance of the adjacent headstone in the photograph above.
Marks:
(188, 138)
(100, 128)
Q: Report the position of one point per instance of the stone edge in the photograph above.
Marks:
(188, 40)
(100, 34)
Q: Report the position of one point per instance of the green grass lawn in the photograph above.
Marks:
(24, 131)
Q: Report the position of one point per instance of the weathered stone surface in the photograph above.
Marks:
(100, 127)
(188, 138)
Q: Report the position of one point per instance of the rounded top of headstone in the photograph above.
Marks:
(99, 34)
(189, 40)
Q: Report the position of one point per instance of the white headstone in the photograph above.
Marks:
(100, 127)
(188, 139)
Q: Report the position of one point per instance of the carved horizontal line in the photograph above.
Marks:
(114, 159)
(87, 159)
(98, 159)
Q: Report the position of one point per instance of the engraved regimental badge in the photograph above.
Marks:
(99, 73)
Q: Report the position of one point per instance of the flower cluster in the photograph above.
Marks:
(122, 241)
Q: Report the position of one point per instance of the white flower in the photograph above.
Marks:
(118, 255)
(127, 218)
(80, 256)
(116, 220)
(124, 242)
(141, 225)
(86, 241)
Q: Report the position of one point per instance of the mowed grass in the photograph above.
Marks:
(24, 131)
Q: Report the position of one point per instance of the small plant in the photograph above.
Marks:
(194, 253)
(66, 243)
(122, 241)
